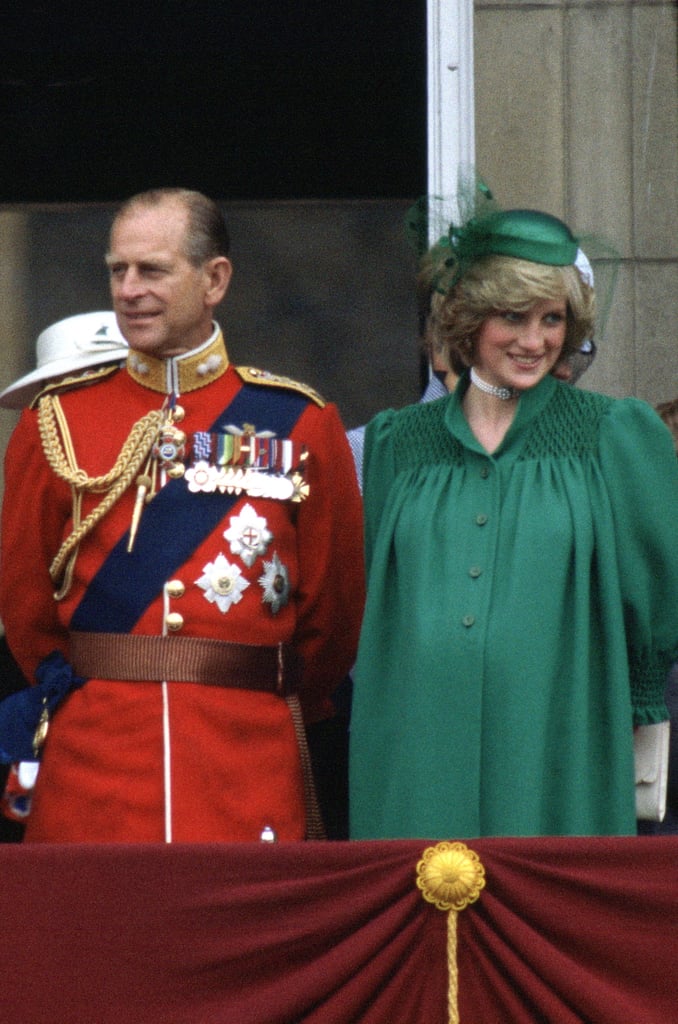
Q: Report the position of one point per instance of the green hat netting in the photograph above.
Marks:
(473, 227)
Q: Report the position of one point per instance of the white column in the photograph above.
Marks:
(451, 108)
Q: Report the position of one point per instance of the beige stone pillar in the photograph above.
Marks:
(16, 345)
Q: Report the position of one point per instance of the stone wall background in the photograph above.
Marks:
(577, 113)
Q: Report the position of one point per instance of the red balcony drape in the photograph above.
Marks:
(565, 931)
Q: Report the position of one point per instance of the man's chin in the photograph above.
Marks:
(142, 338)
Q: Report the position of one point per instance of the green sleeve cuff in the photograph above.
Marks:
(648, 685)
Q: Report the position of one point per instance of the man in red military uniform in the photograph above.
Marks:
(188, 535)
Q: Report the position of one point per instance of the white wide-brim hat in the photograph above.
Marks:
(65, 348)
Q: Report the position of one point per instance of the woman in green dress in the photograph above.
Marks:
(522, 602)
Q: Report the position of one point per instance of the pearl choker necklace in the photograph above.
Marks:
(492, 389)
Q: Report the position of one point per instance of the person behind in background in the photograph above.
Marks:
(76, 347)
(669, 826)
(522, 601)
(669, 414)
(182, 533)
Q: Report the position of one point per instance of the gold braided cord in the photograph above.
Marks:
(143, 433)
(451, 877)
(59, 452)
(452, 969)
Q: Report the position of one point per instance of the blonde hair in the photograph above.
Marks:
(500, 284)
(430, 300)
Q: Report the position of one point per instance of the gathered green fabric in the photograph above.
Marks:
(521, 615)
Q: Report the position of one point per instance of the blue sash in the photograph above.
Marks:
(174, 523)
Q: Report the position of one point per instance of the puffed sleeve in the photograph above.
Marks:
(638, 462)
(378, 471)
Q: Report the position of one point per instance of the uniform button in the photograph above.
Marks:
(174, 621)
(481, 519)
(475, 571)
(175, 588)
(178, 413)
(468, 620)
(484, 472)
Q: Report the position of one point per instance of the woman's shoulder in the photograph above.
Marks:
(417, 417)
(634, 424)
(575, 421)
(568, 424)
(613, 414)
(414, 433)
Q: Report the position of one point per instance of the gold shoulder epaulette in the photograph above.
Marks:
(251, 375)
(57, 387)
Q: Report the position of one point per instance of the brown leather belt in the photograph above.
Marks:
(185, 659)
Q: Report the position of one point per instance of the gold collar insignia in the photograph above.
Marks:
(183, 373)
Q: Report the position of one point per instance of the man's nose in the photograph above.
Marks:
(128, 284)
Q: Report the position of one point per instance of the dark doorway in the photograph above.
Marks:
(256, 100)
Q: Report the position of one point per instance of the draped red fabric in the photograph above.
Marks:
(569, 931)
(566, 930)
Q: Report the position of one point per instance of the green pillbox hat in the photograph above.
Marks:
(522, 234)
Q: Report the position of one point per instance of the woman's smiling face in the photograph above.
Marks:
(518, 349)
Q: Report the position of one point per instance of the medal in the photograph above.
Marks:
(170, 449)
(167, 454)
(248, 535)
(275, 581)
(202, 477)
(244, 461)
(222, 582)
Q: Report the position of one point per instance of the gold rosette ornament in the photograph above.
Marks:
(451, 877)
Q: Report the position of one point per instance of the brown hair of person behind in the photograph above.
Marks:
(669, 413)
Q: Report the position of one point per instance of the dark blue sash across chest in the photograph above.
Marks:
(174, 523)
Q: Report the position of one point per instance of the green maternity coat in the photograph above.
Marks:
(522, 611)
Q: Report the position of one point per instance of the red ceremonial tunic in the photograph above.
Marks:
(161, 761)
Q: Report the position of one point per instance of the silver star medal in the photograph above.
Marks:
(248, 535)
(222, 582)
(275, 581)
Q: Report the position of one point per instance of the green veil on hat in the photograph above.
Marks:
(482, 229)
(472, 226)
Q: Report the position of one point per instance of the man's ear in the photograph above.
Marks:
(219, 271)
